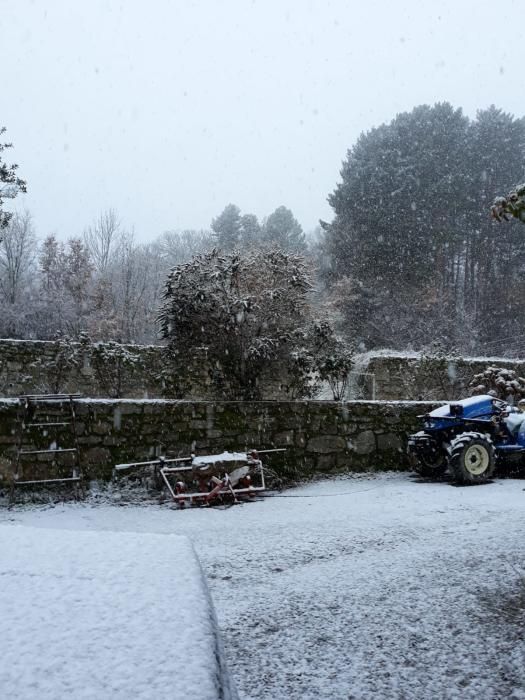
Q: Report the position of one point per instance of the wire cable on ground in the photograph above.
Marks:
(322, 495)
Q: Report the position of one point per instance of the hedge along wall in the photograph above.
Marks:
(322, 437)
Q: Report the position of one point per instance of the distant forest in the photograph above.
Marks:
(411, 257)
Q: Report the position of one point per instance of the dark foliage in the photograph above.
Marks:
(413, 255)
(511, 205)
(244, 309)
(10, 183)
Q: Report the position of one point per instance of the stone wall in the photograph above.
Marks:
(45, 367)
(49, 367)
(410, 377)
(321, 437)
(110, 370)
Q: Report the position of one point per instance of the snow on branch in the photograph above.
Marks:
(511, 205)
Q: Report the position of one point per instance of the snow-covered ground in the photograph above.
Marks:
(83, 617)
(366, 587)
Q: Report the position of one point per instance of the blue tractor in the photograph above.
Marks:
(468, 438)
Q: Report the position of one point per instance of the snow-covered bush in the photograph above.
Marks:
(511, 205)
(335, 369)
(500, 382)
(245, 309)
(177, 376)
(56, 373)
(437, 373)
(322, 357)
(111, 361)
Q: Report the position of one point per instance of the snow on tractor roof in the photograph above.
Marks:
(472, 401)
(106, 615)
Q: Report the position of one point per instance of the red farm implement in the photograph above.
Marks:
(229, 477)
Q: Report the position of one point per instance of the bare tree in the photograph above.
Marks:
(16, 255)
(157, 273)
(130, 283)
(102, 239)
(176, 247)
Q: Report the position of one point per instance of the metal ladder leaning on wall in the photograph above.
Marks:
(42, 416)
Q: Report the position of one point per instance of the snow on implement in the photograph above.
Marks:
(210, 479)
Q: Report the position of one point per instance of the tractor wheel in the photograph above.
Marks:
(472, 458)
(430, 462)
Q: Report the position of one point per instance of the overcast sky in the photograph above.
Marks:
(168, 110)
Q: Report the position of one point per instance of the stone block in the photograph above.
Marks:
(364, 442)
(82, 408)
(199, 425)
(128, 408)
(284, 438)
(249, 440)
(101, 428)
(324, 444)
(89, 440)
(326, 462)
(300, 439)
(213, 433)
(114, 441)
(389, 441)
(308, 465)
(97, 455)
(329, 427)
(344, 461)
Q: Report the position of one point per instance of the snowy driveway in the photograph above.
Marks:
(363, 587)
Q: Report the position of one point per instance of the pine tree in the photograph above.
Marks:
(250, 231)
(391, 206)
(281, 229)
(10, 184)
(497, 142)
(411, 233)
(227, 228)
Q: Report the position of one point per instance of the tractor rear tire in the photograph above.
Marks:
(472, 458)
(429, 463)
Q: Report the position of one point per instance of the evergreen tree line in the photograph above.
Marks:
(281, 229)
(412, 255)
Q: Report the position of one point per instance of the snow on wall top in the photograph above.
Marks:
(106, 615)
(364, 358)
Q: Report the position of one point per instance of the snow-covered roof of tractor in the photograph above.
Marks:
(471, 401)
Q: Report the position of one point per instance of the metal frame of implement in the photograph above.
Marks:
(226, 487)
